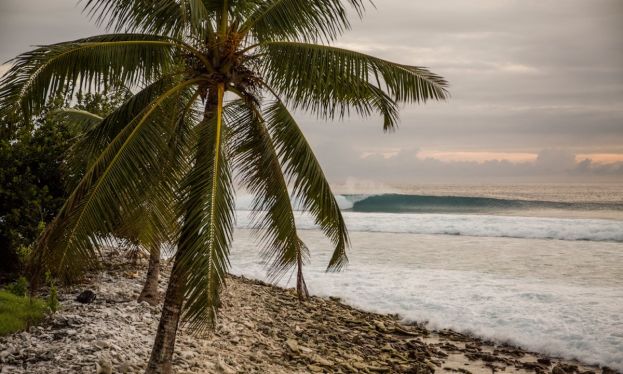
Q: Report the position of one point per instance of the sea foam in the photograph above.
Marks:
(557, 297)
(474, 225)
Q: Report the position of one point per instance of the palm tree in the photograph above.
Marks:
(217, 79)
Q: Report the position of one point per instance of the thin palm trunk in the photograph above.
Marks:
(150, 292)
(161, 359)
(301, 287)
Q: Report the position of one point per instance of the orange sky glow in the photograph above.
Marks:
(602, 158)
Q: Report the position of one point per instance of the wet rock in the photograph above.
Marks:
(569, 368)
(422, 368)
(534, 366)
(558, 370)
(544, 361)
(86, 297)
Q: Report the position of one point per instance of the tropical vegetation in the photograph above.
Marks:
(33, 172)
(215, 85)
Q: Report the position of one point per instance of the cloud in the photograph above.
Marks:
(4, 68)
(555, 160)
(526, 77)
(411, 166)
(517, 68)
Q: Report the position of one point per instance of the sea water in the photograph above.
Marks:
(537, 267)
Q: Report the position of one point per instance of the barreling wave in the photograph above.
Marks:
(468, 216)
(397, 203)
(402, 203)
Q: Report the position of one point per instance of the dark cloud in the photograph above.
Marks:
(525, 75)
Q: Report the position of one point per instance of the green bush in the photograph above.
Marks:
(17, 313)
(19, 288)
(33, 175)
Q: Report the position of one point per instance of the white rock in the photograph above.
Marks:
(104, 365)
(4, 355)
(222, 367)
(293, 345)
(188, 355)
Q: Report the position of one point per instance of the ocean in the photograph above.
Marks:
(540, 266)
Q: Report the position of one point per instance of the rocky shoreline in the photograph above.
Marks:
(262, 329)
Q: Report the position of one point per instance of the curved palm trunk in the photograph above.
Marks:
(150, 292)
(161, 359)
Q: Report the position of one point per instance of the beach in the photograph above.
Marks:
(261, 329)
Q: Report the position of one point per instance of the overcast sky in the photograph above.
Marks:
(536, 85)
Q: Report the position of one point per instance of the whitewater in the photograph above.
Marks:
(545, 275)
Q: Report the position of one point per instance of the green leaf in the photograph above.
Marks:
(328, 81)
(81, 120)
(165, 17)
(207, 227)
(300, 19)
(308, 181)
(260, 174)
(85, 63)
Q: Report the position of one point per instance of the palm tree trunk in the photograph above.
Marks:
(161, 360)
(301, 287)
(150, 292)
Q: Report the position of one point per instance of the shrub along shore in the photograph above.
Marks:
(261, 329)
(18, 312)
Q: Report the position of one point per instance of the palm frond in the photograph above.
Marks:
(309, 184)
(90, 63)
(208, 221)
(80, 120)
(164, 17)
(260, 173)
(300, 19)
(328, 81)
(93, 142)
(111, 186)
(151, 222)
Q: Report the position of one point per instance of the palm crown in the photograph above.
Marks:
(214, 80)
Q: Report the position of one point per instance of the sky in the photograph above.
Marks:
(536, 89)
